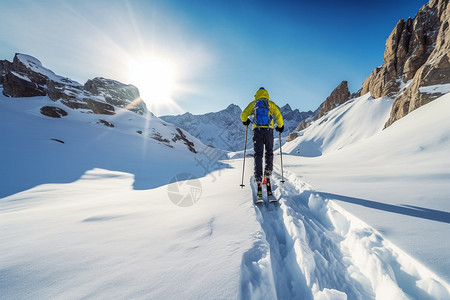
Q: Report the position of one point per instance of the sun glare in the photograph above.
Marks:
(155, 79)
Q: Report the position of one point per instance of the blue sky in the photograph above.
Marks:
(222, 51)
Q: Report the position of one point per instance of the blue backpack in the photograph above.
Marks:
(262, 115)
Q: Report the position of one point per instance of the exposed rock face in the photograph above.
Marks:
(106, 123)
(407, 48)
(117, 94)
(337, 97)
(417, 50)
(15, 85)
(53, 111)
(431, 69)
(182, 137)
(292, 136)
(5, 67)
(26, 77)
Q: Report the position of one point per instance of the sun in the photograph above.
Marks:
(155, 79)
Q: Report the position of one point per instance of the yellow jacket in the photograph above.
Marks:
(273, 109)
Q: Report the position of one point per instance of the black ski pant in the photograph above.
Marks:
(263, 138)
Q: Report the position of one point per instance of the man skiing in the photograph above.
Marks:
(264, 112)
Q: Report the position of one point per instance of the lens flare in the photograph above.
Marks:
(155, 79)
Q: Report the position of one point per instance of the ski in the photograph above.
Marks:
(272, 199)
(259, 196)
(270, 196)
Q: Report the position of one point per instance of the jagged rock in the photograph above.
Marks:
(106, 123)
(5, 67)
(291, 118)
(304, 124)
(117, 94)
(29, 69)
(292, 136)
(407, 48)
(53, 111)
(181, 136)
(27, 77)
(431, 26)
(418, 50)
(338, 96)
(356, 94)
(99, 107)
(16, 85)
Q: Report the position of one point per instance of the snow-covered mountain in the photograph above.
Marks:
(415, 69)
(25, 76)
(99, 201)
(90, 211)
(224, 129)
(72, 121)
(45, 141)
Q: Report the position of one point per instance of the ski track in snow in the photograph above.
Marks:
(310, 248)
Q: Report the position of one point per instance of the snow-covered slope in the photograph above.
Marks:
(396, 180)
(349, 123)
(96, 217)
(38, 149)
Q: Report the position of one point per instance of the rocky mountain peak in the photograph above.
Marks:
(416, 55)
(27, 77)
(428, 64)
(285, 109)
(117, 94)
(233, 108)
(337, 97)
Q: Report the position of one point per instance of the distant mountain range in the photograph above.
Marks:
(224, 129)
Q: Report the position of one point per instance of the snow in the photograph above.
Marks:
(435, 89)
(95, 217)
(348, 124)
(30, 157)
(396, 181)
(21, 77)
(35, 65)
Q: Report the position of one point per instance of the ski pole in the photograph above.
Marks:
(245, 150)
(281, 156)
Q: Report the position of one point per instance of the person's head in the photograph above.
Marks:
(261, 94)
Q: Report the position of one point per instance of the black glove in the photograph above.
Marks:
(280, 129)
(246, 122)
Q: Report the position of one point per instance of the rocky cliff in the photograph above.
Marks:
(337, 97)
(25, 76)
(416, 56)
(415, 69)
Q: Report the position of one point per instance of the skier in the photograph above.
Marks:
(264, 111)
